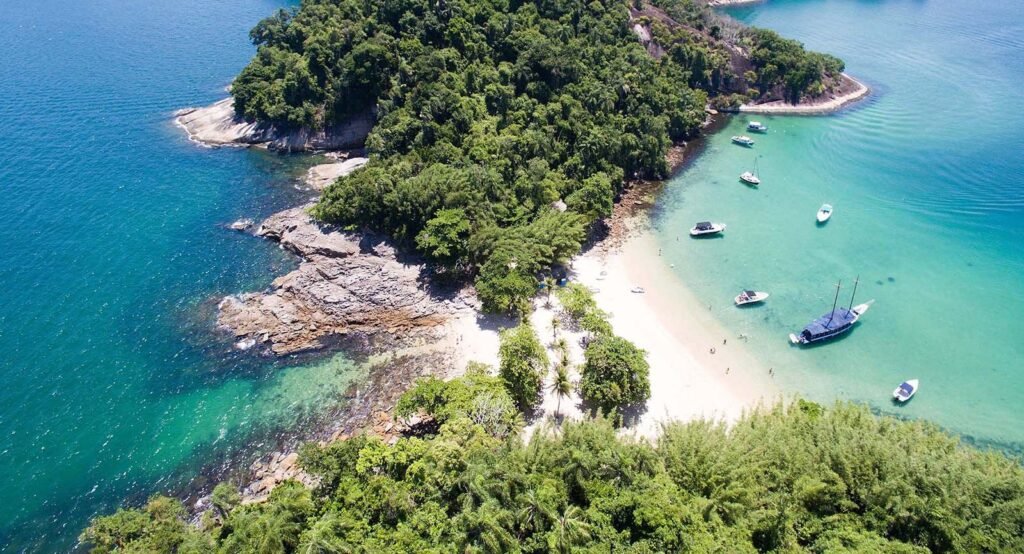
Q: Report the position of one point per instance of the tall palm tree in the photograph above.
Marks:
(535, 512)
(561, 385)
(569, 530)
(556, 324)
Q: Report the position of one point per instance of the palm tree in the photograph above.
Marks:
(570, 529)
(556, 324)
(535, 513)
(561, 385)
(549, 283)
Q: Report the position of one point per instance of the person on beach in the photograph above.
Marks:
(712, 350)
(726, 371)
(723, 341)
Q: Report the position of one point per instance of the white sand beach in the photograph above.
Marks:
(678, 332)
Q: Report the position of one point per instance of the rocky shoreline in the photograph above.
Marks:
(218, 125)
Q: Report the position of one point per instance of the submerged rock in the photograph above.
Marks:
(346, 283)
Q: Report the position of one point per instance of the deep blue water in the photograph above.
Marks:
(113, 256)
(927, 180)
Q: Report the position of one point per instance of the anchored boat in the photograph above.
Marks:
(750, 177)
(757, 127)
(743, 140)
(905, 391)
(824, 213)
(706, 228)
(750, 297)
(834, 323)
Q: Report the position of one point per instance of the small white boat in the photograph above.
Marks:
(750, 297)
(637, 290)
(824, 213)
(706, 228)
(757, 127)
(743, 140)
(906, 390)
(750, 177)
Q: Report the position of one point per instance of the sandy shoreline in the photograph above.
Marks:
(678, 331)
(858, 91)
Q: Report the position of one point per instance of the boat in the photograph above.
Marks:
(750, 177)
(906, 390)
(834, 323)
(637, 290)
(750, 297)
(824, 213)
(757, 127)
(743, 140)
(706, 228)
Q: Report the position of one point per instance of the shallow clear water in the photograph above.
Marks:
(927, 181)
(111, 385)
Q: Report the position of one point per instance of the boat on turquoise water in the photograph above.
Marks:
(824, 213)
(834, 323)
(757, 127)
(706, 228)
(750, 297)
(906, 390)
(743, 140)
(750, 177)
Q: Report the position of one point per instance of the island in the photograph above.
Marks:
(486, 144)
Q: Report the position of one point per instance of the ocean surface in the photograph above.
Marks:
(114, 255)
(927, 180)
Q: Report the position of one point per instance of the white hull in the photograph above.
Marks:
(901, 395)
(750, 179)
(758, 297)
(824, 213)
(717, 228)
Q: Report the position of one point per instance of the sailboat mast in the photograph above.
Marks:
(854, 291)
(834, 302)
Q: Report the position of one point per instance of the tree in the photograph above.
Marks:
(445, 237)
(561, 385)
(570, 529)
(615, 374)
(225, 497)
(523, 360)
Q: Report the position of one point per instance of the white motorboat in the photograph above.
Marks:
(906, 390)
(750, 177)
(757, 127)
(637, 290)
(824, 213)
(750, 297)
(706, 228)
(743, 140)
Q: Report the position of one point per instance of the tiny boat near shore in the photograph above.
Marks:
(637, 290)
(757, 127)
(905, 391)
(835, 323)
(750, 297)
(706, 228)
(750, 177)
(824, 213)
(743, 140)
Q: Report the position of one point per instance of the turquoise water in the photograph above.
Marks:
(927, 180)
(111, 386)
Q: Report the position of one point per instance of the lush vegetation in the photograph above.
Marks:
(782, 62)
(488, 112)
(791, 479)
(523, 362)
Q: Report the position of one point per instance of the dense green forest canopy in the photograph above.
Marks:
(794, 479)
(489, 111)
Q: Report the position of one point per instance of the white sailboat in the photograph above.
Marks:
(750, 177)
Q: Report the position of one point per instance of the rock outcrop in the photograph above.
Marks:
(346, 283)
(319, 176)
(219, 125)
